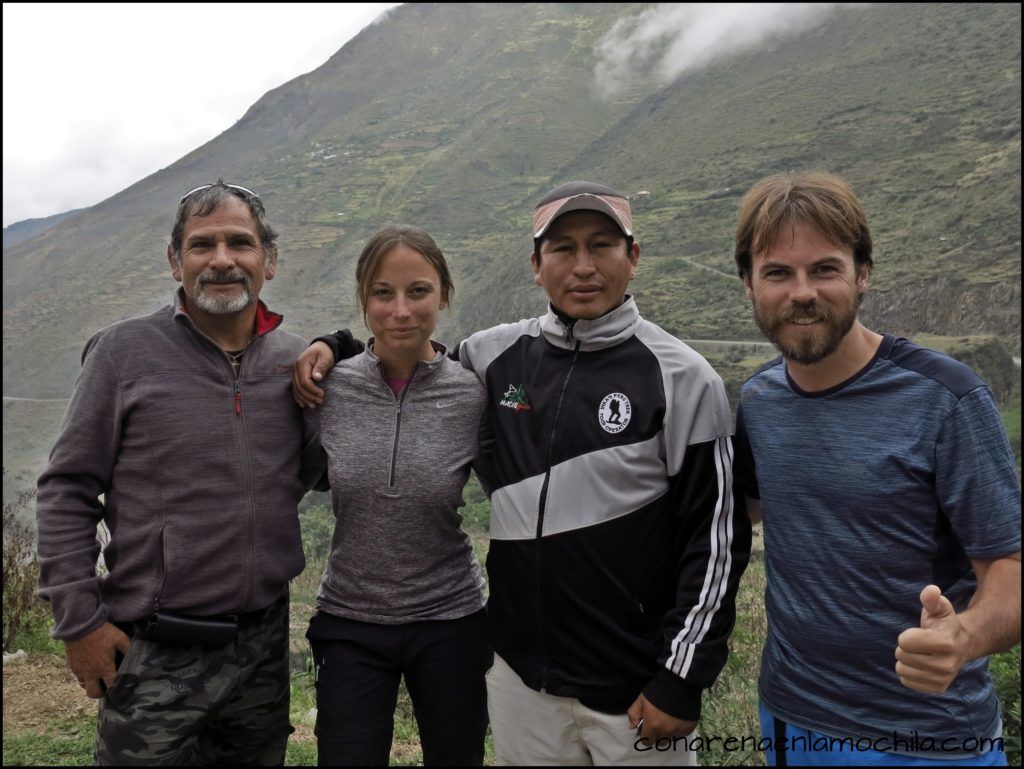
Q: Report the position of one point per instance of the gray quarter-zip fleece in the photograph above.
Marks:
(197, 473)
(397, 467)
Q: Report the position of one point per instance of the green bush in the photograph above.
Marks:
(1005, 670)
(476, 514)
(317, 526)
(24, 614)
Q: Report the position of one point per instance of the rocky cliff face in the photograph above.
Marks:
(948, 307)
(988, 357)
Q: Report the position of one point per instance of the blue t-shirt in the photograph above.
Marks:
(870, 491)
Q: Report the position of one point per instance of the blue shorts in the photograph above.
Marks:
(806, 748)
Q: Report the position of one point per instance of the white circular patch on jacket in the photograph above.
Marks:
(614, 412)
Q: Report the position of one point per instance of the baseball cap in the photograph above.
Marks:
(582, 196)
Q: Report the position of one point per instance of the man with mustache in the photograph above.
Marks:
(182, 437)
(890, 502)
(615, 549)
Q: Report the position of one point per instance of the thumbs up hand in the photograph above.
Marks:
(929, 657)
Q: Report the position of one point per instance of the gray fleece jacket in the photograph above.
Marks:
(196, 474)
(397, 468)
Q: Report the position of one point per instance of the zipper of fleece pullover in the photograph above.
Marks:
(542, 505)
(246, 463)
(400, 401)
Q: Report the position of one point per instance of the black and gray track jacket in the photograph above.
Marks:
(615, 550)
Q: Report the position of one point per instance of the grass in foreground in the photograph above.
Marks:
(67, 743)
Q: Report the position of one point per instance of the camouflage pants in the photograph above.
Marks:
(180, 705)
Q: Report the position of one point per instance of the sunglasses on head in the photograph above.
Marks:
(202, 187)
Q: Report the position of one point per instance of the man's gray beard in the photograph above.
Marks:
(222, 306)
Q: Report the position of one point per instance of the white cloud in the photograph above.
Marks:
(97, 96)
(671, 38)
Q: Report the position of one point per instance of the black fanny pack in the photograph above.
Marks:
(208, 632)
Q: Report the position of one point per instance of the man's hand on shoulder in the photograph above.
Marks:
(653, 723)
(91, 658)
(311, 367)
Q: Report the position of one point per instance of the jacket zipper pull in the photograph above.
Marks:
(238, 399)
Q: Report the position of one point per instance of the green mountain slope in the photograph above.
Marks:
(919, 105)
(458, 117)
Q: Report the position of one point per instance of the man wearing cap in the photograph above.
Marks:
(615, 550)
(182, 437)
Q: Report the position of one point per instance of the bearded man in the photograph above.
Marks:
(890, 502)
(182, 437)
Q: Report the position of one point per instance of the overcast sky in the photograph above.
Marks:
(98, 96)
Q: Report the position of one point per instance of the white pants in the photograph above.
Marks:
(532, 728)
